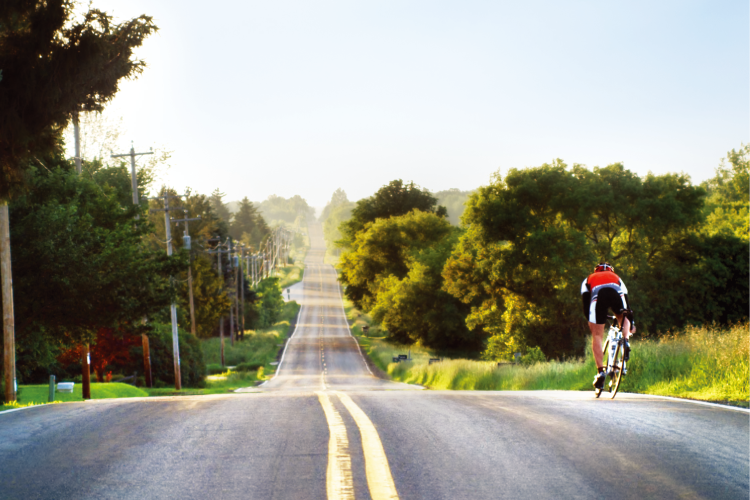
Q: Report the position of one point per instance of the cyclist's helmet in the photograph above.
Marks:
(604, 266)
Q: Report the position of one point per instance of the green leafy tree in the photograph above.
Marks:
(384, 249)
(80, 265)
(534, 235)
(267, 304)
(415, 308)
(394, 199)
(728, 202)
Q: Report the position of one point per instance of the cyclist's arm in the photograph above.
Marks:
(624, 290)
(585, 298)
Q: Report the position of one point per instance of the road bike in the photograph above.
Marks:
(614, 350)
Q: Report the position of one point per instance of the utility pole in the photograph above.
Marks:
(136, 201)
(186, 244)
(173, 306)
(132, 154)
(9, 338)
(86, 380)
(242, 291)
(147, 361)
(218, 251)
(233, 295)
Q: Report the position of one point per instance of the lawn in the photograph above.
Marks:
(39, 393)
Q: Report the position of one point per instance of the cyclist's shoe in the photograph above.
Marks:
(626, 351)
(599, 380)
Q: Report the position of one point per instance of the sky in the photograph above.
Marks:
(296, 97)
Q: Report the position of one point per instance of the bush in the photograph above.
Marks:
(248, 367)
(533, 356)
(192, 367)
(265, 311)
(214, 368)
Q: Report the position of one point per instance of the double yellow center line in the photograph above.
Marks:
(339, 482)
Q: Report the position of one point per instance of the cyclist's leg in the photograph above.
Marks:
(597, 337)
(622, 319)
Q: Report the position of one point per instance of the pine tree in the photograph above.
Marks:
(248, 225)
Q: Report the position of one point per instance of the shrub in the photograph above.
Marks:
(192, 367)
(248, 367)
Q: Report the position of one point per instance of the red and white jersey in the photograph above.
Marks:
(604, 279)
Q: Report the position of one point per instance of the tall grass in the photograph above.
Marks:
(708, 363)
(258, 347)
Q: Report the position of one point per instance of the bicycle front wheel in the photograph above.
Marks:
(618, 368)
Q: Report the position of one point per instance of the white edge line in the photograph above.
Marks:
(27, 408)
(286, 345)
(348, 327)
(685, 400)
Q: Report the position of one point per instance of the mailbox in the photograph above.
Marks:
(65, 386)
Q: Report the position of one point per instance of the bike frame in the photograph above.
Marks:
(615, 338)
(614, 347)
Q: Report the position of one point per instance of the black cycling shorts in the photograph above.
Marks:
(607, 298)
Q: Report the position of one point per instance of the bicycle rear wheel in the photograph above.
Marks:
(619, 370)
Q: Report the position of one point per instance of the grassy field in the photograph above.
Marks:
(38, 394)
(699, 363)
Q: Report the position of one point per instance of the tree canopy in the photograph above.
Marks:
(77, 65)
(396, 198)
(535, 234)
(81, 264)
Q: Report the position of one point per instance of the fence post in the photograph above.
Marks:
(51, 388)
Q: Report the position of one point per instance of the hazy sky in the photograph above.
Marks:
(276, 97)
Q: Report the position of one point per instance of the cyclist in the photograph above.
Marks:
(601, 291)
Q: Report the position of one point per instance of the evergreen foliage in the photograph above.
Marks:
(248, 225)
(77, 65)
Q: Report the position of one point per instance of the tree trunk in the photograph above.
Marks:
(86, 373)
(9, 338)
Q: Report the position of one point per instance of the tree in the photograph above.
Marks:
(728, 204)
(210, 297)
(394, 199)
(453, 200)
(384, 249)
(77, 64)
(248, 225)
(338, 199)
(81, 265)
(219, 208)
(415, 308)
(535, 234)
(276, 208)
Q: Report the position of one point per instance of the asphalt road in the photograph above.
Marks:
(324, 427)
